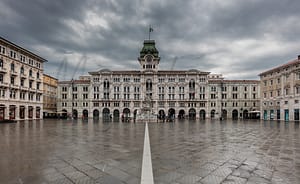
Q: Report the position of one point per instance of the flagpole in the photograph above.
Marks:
(149, 31)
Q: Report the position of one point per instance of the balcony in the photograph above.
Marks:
(192, 90)
(39, 90)
(12, 72)
(4, 84)
(14, 86)
(22, 75)
(23, 88)
(32, 89)
(3, 70)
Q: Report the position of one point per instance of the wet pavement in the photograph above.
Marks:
(65, 151)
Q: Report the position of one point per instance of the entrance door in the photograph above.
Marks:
(286, 115)
(296, 115)
(2, 113)
(265, 115)
(271, 114)
(192, 114)
(235, 114)
(202, 114)
(30, 112)
(85, 113)
(278, 114)
(12, 112)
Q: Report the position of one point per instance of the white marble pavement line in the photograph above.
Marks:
(147, 173)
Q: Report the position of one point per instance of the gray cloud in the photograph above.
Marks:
(216, 36)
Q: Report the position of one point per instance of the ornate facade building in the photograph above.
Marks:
(49, 96)
(171, 93)
(21, 85)
(280, 92)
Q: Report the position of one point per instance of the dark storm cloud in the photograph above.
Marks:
(216, 36)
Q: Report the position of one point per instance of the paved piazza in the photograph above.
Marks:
(62, 151)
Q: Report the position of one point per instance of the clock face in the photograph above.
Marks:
(149, 58)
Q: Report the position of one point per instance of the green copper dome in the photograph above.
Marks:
(149, 48)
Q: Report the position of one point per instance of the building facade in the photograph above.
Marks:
(170, 93)
(280, 92)
(49, 96)
(21, 85)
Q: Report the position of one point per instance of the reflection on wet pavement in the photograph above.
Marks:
(62, 151)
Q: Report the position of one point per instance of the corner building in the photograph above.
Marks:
(21, 82)
(171, 93)
(280, 92)
(50, 96)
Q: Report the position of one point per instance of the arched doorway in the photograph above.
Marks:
(171, 114)
(116, 115)
(105, 114)
(181, 114)
(30, 111)
(235, 114)
(245, 114)
(85, 113)
(192, 113)
(2, 112)
(202, 114)
(126, 115)
(96, 114)
(75, 114)
(212, 114)
(64, 114)
(224, 114)
(161, 114)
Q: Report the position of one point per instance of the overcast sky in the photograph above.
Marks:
(237, 38)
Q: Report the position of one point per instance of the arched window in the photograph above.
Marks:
(192, 84)
(148, 85)
(22, 70)
(38, 75)
(106, 84)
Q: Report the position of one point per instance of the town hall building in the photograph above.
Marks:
(171, 94)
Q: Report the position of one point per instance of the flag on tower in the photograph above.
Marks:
(150, 29)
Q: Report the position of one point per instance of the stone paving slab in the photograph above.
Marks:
(64, 151)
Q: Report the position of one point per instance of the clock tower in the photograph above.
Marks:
(149, 56)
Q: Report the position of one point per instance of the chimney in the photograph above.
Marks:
(298, 57)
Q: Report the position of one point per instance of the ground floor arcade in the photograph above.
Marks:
(20, 111)
(161, 113)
